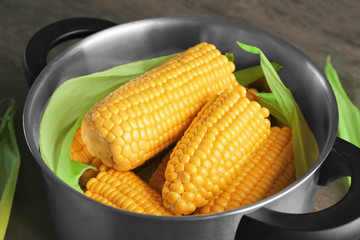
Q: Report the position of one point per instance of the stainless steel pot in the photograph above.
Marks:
(284, 215)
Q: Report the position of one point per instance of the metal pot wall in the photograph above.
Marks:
(284, 215)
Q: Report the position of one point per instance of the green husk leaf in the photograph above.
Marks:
(349, 114)
(67, 107)
(269, 100)
(252, 74)
(230, 56)
(305, 156)
(9, 164)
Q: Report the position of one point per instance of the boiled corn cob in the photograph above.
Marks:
(125, 190)
(146, 115)
(79, 153)
(270, 170)
(157, 179)
(221, 139)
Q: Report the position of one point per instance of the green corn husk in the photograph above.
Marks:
(230, 56)
(252, 74)
(349, 114)
(9, 164)
(281, 102)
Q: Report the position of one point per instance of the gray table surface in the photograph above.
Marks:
(318, 28)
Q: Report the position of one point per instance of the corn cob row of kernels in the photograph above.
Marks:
(287, 177)
(127, 191)
(96, 190)
(221, 139)
(259, 192)
(269, 178)
(129, 181)
(262, 176)
(146, 115)
(99, 198)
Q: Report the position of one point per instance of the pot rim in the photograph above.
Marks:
(35, 88)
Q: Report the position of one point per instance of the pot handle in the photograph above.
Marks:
(340, 221)
(40, 44)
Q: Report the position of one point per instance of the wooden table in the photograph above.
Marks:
(318, 28)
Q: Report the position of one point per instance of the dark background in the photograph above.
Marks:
(318, 28)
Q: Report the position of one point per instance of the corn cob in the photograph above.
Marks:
(126, 191)
(157, 179)
(146, 115)
(221, 139)
(79, 153)
(261, 177)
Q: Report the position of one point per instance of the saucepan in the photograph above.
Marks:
(285, 215)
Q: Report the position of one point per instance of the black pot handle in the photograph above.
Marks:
(340, 221)
(40, 44)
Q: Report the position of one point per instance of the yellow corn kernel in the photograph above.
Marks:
(125, 190)
(271, 169)
(80, 153)
(157, 179)
(104, 168)
(147, 114)
(221, 139)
